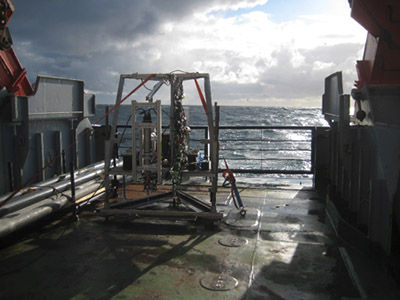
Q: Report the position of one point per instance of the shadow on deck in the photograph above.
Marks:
(290, 253)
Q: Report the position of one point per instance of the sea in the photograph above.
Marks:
(267, 149)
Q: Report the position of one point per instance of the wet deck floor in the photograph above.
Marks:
(282, 249)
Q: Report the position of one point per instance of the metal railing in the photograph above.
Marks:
(257, 149)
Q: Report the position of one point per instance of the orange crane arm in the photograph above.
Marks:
(381, 60)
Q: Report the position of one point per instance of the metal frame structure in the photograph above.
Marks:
(198, 209)
(143, 166)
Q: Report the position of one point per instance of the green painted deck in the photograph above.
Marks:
(289, 252)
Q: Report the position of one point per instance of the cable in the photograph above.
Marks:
(123, 132)
(166, 82)
(180, 71)
(55, 191)
(126, 97)
(165, 112)
(149, 89)
(94, 194)
(35, 175)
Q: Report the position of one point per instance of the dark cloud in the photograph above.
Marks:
(96, 40)
(86, 26)
(90, 39)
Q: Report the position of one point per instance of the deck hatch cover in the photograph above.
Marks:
(220, 282)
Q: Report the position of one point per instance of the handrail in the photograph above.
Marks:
(306, 159)
(262, 170)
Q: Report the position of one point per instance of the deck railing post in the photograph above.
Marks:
(206, 137)
(313, 146)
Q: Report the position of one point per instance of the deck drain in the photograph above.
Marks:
(232, 241)
(235, 219)
(218, 282)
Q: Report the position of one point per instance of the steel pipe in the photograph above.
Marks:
(52, 181)
(52, 188)
(37, 211)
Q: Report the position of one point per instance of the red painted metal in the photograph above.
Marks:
(203, 100)
(12, 74)
(381, 60)
(9, 11)
(126, 97)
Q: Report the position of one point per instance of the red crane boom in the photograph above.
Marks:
(12, 74)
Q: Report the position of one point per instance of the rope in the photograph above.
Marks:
(126, 97)
(55, 191)
(227, 174)
(203, 101)
(230, 177)
(34, 176)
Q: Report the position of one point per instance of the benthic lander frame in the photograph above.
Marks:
(195, 209)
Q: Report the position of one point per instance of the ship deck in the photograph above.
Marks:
(284, 248)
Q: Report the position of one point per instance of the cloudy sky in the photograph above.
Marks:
(257, 52)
